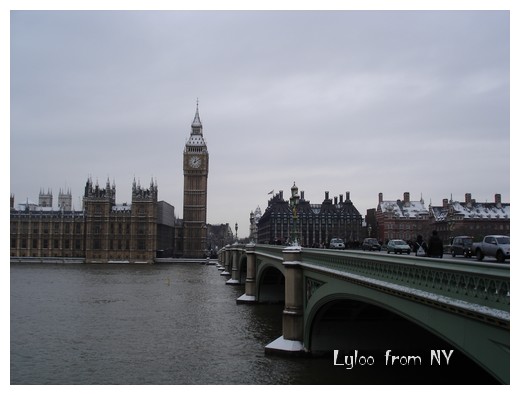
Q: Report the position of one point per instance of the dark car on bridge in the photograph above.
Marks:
(370, 244)
(461, 245)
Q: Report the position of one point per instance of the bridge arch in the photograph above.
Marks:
(349, 321)
(271, 284)
(242, 269)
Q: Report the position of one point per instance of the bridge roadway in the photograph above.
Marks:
(359, 300)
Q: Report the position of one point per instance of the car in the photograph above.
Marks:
(371, 244)
(398, 246)
(461, 245)
(496, 246)
(337, 244)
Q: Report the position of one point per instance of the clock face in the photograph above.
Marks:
(195, 162)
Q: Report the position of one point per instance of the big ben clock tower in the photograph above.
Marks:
(196, 167)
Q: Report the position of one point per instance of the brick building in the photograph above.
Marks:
(401, 219)
(470, 218)
(405, 219)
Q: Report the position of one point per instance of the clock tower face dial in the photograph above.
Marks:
(195, 162)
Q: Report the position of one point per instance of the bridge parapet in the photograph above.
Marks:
(483, 284)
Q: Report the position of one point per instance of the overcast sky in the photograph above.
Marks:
(358, 101)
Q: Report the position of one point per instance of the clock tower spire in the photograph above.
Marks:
(196, 168)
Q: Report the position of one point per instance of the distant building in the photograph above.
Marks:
(254, 217)
(401, 219)
(316, 224)
(471, 218)
(218, 237)
(65, 200)
(405, 219)
(45, 199)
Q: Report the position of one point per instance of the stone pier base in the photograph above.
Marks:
(246, 299)
(285, 347)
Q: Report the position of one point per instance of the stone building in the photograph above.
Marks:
(196, 169)
(316, 224)
(254, 217)
(65, 200)
(120, 232)
(37, 231)
(103, 231)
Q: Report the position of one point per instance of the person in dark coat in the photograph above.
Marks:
(435, 246)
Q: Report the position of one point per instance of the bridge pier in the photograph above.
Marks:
(291, 341)
(227, 260)
(235, 257)
(220, 260)
(250, 295)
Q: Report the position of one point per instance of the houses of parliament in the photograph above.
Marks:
(105, 231)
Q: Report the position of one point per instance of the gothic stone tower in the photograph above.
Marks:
(196, 167)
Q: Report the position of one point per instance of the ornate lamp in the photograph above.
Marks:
(293, 202)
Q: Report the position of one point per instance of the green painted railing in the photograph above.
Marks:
(484, 284)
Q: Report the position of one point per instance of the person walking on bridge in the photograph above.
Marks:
(435, 246)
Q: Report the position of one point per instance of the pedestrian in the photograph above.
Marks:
(420, 247)
(435, 246)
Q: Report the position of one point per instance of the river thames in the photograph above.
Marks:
(158, 324)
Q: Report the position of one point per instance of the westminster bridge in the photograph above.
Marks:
(358, 300)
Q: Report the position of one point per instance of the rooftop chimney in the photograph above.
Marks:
(335, 200)
(498, 200)
(468, 198)
(406, 198)
(444, 203)
(380, 197)
(341, 198)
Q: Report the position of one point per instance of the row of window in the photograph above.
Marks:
(97, 244)
(317, 221)
(402, 226)
(45, 227)
(46, 243)
(67, 244)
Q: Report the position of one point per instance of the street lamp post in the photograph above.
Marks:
(293, 201)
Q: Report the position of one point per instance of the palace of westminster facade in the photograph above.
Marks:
(104, 231)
